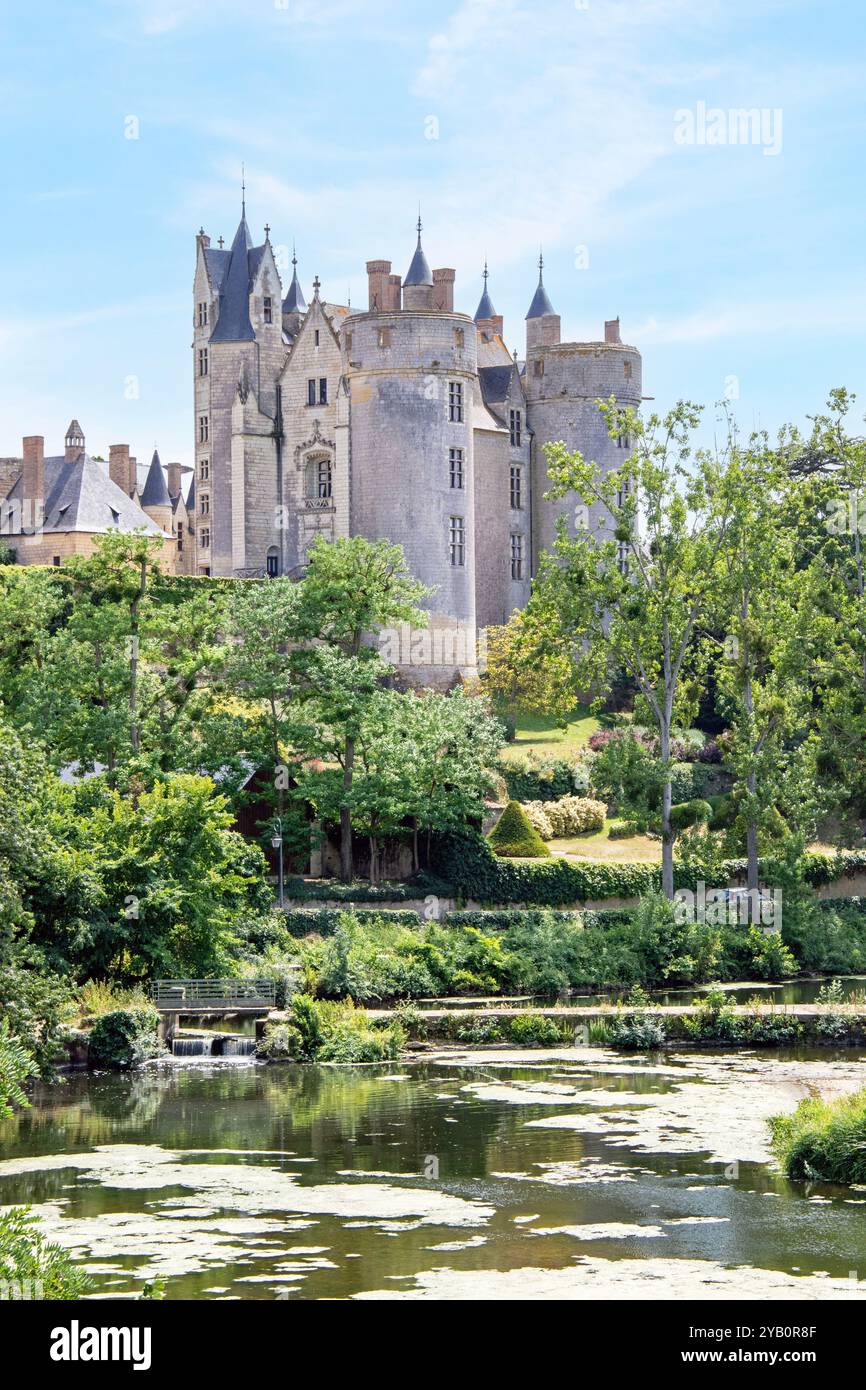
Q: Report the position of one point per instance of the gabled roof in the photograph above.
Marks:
(79, 496)
(216, 260)
(155, 493)
(233, 324)
(541, 304)
(419, 272)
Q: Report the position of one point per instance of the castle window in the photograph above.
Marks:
(384, 337)
(311, 391)
(56, 561)
(623, 440)
(455, 459)
(539, 366)
(457, 541)
(459, 338)
(348, 342)
(516, 555)
(318, 479)
(268, 309)
(323, 390)
(514, 427)
(202, 429)
(179, 537)
(204, 506)
(204, 470)
(455, 400)
(317, 337)
(202, 361)
(204, 540)
(516, 487)
(272, 562)
(626, 366)
(202, 315)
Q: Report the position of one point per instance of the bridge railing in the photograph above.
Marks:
(216, 994)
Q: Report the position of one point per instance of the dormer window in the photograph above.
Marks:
(311, 391)
(202, 361)
(268, 307)
(515, 428)
(115, 516)
(202, 315)
(323, 390)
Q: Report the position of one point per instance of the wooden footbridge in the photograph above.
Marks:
(216, 998)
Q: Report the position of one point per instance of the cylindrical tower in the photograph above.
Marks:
(412, 376)
(563, 382)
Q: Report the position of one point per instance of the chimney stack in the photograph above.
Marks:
(33, 483)
(443, 290)
(378, 280)
(120, 467)
(173, 479)
(611, 331)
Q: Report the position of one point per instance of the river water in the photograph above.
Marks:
(580, 1173)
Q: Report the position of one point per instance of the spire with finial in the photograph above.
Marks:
(419, 272)
(541, 304)
(243, 190)
(485, 308)
(294, 302)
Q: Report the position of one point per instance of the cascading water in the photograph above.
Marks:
(219, 1045)
(192, 1047)
(239, 1047)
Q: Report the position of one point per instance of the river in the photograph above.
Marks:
(580, 1173)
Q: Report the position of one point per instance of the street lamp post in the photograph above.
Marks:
(277, 842)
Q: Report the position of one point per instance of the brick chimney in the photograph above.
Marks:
(395, 292)
(33, 483)
(120, 467)
(488, 328)
(443, 290)
(611, 331)
(173, 479)
(378, 280)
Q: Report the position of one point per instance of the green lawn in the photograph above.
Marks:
(637, 849)
(544, 737)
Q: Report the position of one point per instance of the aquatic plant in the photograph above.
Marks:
(823, 1140)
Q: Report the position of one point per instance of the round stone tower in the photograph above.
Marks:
(562, 383)
(411, 375)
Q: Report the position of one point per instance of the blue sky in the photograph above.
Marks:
(732, 269)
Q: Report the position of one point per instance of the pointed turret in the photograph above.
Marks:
(541, 304)
(294, 302)
(74, 442)
(419, 272)
(485, 308)
(233, 324)
(155, 492)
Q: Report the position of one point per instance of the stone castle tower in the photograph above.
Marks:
(409, 420)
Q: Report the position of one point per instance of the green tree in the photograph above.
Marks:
(632, 596)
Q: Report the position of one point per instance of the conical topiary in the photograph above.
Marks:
(513, 836)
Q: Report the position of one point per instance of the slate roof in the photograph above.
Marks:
(541, 304)
(485, 308)
(155, 492)
(419, 272)
(233, 324)
(495, 383)
(217, 260)
(294, 301)
(190, 497)
(79, 496)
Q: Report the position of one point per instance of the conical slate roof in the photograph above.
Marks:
(419, 272)
(485, 308)
(190, 497)
(233, 324)
(541, 304)
(155, 492)
(294, 302)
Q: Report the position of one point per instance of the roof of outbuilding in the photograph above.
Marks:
(79, 496)
(155, 492)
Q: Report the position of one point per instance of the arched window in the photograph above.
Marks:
(317, 478)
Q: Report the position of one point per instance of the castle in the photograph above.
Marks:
(407, 420)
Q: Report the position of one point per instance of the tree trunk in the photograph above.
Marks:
(667, 841)
(134, 731)
(347, 866)
(416, 862)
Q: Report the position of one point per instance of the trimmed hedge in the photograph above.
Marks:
(302, 890)
(321, 921)
(514, 836)
(468, 864)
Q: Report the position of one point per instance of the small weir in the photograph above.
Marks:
(216, 1045)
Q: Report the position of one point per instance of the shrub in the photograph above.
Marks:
(36, 1006)
(320, 1031)
(773, 1029)
(475, 1030)
(32, 1267)
(537, 780)
(125, 1038)
(640, 1032)
(513, 837)
(689, 813)
(576, 815)
(823, 1141)
(536, 814)
(534, 1030)
(624, 829)
(771, 958)
(715, 1020)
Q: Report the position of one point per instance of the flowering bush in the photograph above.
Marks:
(575, 815)
(536, 814)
